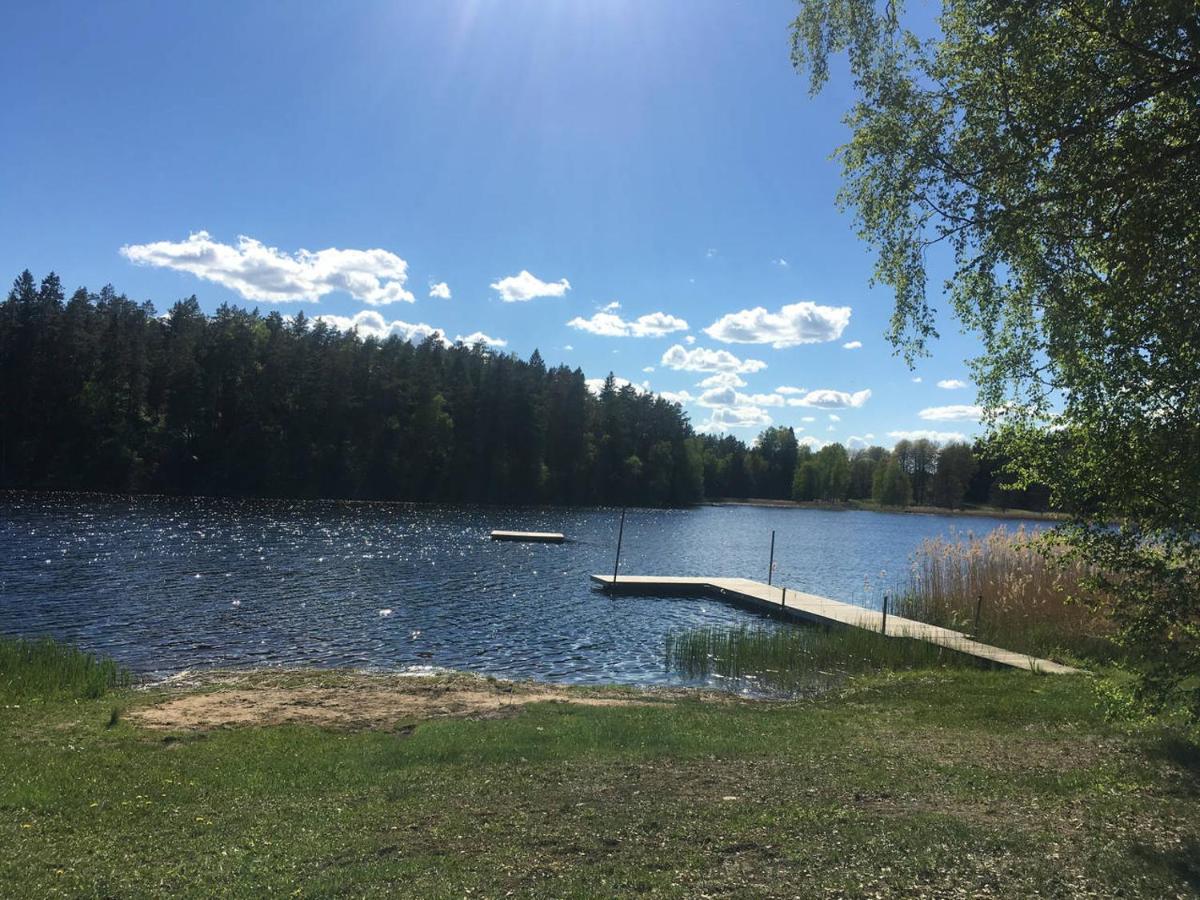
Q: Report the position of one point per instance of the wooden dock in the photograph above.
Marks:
(825, 611)
(538, 537)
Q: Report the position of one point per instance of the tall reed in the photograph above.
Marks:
(44, 668)
(1026, 595)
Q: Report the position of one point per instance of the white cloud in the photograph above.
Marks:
(710, 252)
(718, 397)
(568, 347)
(797, 323)
(691, 339)
(954, 413)
(825, 398)
(609, 324)
(834, 417)
(704, 360)
(441, 290)
(728, 417)
(852, 345)
(677, 396)
(791, 390)
(601, 323)
(808, 418)
(610, 307)
(648, 369)
(258, 272)
(725, 396)
(731, 408)
(656, 324)
(761, 399)
(830, 428)
(722, 379)
(369, 323)
(478, 337)
(781, 262)
(916, 379)
(854, 442)
(811, 442)
(951, 384)
(941, 437)
(526, 286)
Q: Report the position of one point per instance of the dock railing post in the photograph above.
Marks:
(771, 561)
(620, 535)
(783, 598)
(883, 628)
(978, 607)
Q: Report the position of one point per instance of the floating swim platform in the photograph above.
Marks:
(825, 611)
(536, 537)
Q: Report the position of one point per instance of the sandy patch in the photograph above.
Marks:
(353, 701)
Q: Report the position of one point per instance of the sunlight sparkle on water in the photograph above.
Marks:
(134, 585)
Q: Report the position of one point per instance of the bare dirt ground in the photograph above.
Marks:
(350, 700)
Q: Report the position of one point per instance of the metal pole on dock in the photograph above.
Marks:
(620, 535)
(883, 628)
(771, 562)
(978, 607)
(783, 599)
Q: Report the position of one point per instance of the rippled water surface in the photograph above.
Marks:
(167, 584)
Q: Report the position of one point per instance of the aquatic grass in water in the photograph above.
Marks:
(44, 668)
(796, 658)
(1028, 600)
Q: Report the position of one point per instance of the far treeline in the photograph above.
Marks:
(99, 393)
(920, 472)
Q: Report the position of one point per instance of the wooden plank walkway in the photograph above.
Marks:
(540, 537)
(825, 611)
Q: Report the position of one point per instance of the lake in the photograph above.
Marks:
(164, 584)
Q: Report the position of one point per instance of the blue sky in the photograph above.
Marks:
(661, 156)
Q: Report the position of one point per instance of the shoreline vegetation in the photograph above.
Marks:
(1011, 590)
(766, 503)
(936, 781)
(994, 512)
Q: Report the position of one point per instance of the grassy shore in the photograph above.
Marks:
(937, 782)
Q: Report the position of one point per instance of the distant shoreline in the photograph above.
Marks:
(763, 502)
(976, 511)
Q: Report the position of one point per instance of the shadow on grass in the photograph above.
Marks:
(1181, 753)
(1182, 861)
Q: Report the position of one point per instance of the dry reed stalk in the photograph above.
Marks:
(1020, 584)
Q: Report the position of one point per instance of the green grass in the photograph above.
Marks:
(44, 669)
(796, 658)
(935, 782)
